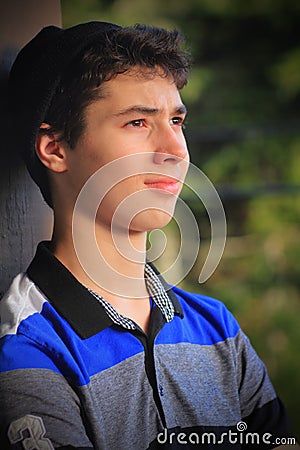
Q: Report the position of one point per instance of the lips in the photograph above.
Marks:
(169, 185)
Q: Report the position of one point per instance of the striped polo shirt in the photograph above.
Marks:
(76, 374)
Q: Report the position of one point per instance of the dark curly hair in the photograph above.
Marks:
(60, 72)
(150, 48)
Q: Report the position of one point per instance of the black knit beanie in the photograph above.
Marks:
(33, 79)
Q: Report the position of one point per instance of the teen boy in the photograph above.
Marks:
(128, 362)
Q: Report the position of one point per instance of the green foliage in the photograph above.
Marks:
(259, 160)
(286, 73)
(243, 131)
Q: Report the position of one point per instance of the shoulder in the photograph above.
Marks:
(24, 330)
(207, 315)
(30, 328)
(20, 302)
(201, 302)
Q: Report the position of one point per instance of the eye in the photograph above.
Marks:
(137, 123)
(179, 121)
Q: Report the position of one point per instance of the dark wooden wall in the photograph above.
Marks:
(25, 219)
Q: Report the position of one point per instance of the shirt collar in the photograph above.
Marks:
(77, 304)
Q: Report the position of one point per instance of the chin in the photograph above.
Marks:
(151, 219)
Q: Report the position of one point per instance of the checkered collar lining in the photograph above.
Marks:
(156, 291)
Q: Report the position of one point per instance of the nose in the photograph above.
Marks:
(170, 146)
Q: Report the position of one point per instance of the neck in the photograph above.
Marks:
(113, 266)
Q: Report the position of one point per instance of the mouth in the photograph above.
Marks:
(168, 185)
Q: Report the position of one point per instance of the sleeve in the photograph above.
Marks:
(261, 410)
(39, 408)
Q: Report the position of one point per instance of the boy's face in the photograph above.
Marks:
(141, 117)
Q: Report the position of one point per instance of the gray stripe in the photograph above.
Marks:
(209, 385)
(255, 387)
(115, 411)
(44, 394)
(120, 405)
(203, 385)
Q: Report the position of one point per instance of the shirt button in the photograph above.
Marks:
(161, 390)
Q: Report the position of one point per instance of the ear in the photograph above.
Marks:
(50, 150)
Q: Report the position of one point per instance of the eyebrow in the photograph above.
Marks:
(145, 110)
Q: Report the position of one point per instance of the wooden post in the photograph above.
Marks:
(25, 218)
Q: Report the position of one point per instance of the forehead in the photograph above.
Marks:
(136, 86)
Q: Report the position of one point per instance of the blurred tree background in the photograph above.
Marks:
(243, 131)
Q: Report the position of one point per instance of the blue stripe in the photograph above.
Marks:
(113, 345)
(48, 333)
(206, 321)
(18, 352)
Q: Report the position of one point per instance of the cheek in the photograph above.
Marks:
(119, 200)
